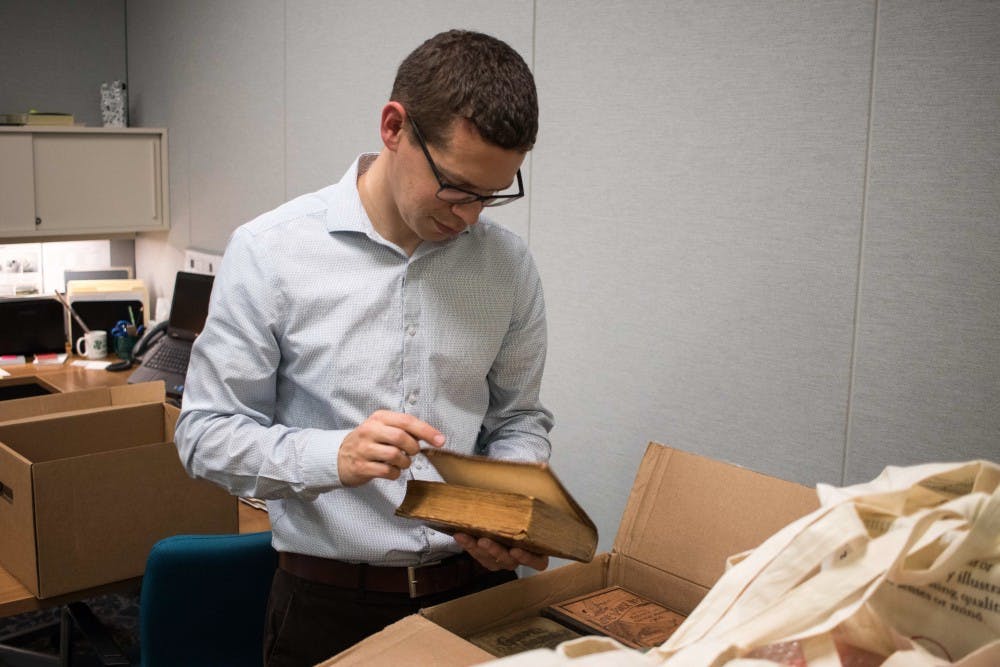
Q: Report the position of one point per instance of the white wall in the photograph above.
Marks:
(768, 231)
(55, 54)
(927, 354)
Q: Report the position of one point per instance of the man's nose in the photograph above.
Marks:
(469, 213)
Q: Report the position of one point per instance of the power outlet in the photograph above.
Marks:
(196, 261)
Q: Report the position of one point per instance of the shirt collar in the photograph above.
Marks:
(345, 212)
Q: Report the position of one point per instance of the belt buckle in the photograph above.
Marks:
(411, 575)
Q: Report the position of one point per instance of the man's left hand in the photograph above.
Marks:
(495, 556)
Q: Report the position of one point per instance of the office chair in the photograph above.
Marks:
(204, 598)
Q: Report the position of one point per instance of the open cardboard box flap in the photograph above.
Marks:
(687, 514)
(411, 641)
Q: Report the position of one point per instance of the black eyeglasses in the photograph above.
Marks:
(456, 195)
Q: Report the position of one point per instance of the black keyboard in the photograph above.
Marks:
(172, 358)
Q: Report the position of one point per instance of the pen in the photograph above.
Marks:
(72, 312)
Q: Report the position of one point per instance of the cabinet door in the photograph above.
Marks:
(17, 191)
(87, 183)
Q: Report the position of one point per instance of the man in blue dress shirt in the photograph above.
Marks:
(352, 326)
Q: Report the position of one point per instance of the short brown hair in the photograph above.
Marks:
(469, 75)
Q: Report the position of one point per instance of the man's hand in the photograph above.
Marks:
(382, 446)
(495, 556)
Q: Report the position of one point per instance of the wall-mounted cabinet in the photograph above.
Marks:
(82, 182)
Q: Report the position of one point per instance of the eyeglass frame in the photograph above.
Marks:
(486, 200)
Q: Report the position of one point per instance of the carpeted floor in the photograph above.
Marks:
(118, 613)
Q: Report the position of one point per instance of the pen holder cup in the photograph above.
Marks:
(124, 345)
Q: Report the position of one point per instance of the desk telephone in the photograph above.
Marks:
(143, 345)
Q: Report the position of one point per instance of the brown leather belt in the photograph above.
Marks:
(417, 581)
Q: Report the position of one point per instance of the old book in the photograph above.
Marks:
(514, 503)
(39, 118)
(523, 635)
(616, 612)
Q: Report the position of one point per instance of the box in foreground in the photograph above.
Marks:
(686, 514)
(86, 492)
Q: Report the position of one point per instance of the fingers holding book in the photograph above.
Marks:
(494, 556)
(382, 447)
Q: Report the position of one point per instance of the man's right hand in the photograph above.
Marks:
(382, 446)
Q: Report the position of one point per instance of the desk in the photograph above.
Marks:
(15, 598)
(65, 377)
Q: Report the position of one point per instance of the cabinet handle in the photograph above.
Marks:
(38, 222)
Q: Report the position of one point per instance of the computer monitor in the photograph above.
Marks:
(103, 303)
(29, 325)
(189, 307)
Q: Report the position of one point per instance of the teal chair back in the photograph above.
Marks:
(203, 600)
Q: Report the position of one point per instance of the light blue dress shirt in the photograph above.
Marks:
(315, 322)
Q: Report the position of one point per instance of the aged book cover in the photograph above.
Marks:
(618, 613)
(514, 503)
(37, 118)
(523, 635)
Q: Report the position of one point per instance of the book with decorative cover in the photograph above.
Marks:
(525, 634)
(616, 612)
(514, 503)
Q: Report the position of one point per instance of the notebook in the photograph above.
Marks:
(168, 359)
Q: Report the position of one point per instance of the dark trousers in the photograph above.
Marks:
(308, 622)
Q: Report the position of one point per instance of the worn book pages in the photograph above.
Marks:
(523, 635)
(517, 504)
(36, 118)
(616, 612)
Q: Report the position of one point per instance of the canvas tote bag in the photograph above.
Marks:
(903, 570)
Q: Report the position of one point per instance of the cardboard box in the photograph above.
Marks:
(685, 515)
(411, 641)
(86, 492)
(101, 397)
(18, 388)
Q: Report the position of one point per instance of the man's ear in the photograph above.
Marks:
(391, 125)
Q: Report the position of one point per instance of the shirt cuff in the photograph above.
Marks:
(319, 460)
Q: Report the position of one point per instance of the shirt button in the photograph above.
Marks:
(411, 330)
(412, 398)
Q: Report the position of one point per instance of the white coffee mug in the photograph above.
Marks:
(93, 344)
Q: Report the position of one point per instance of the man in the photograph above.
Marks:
(352, 326)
